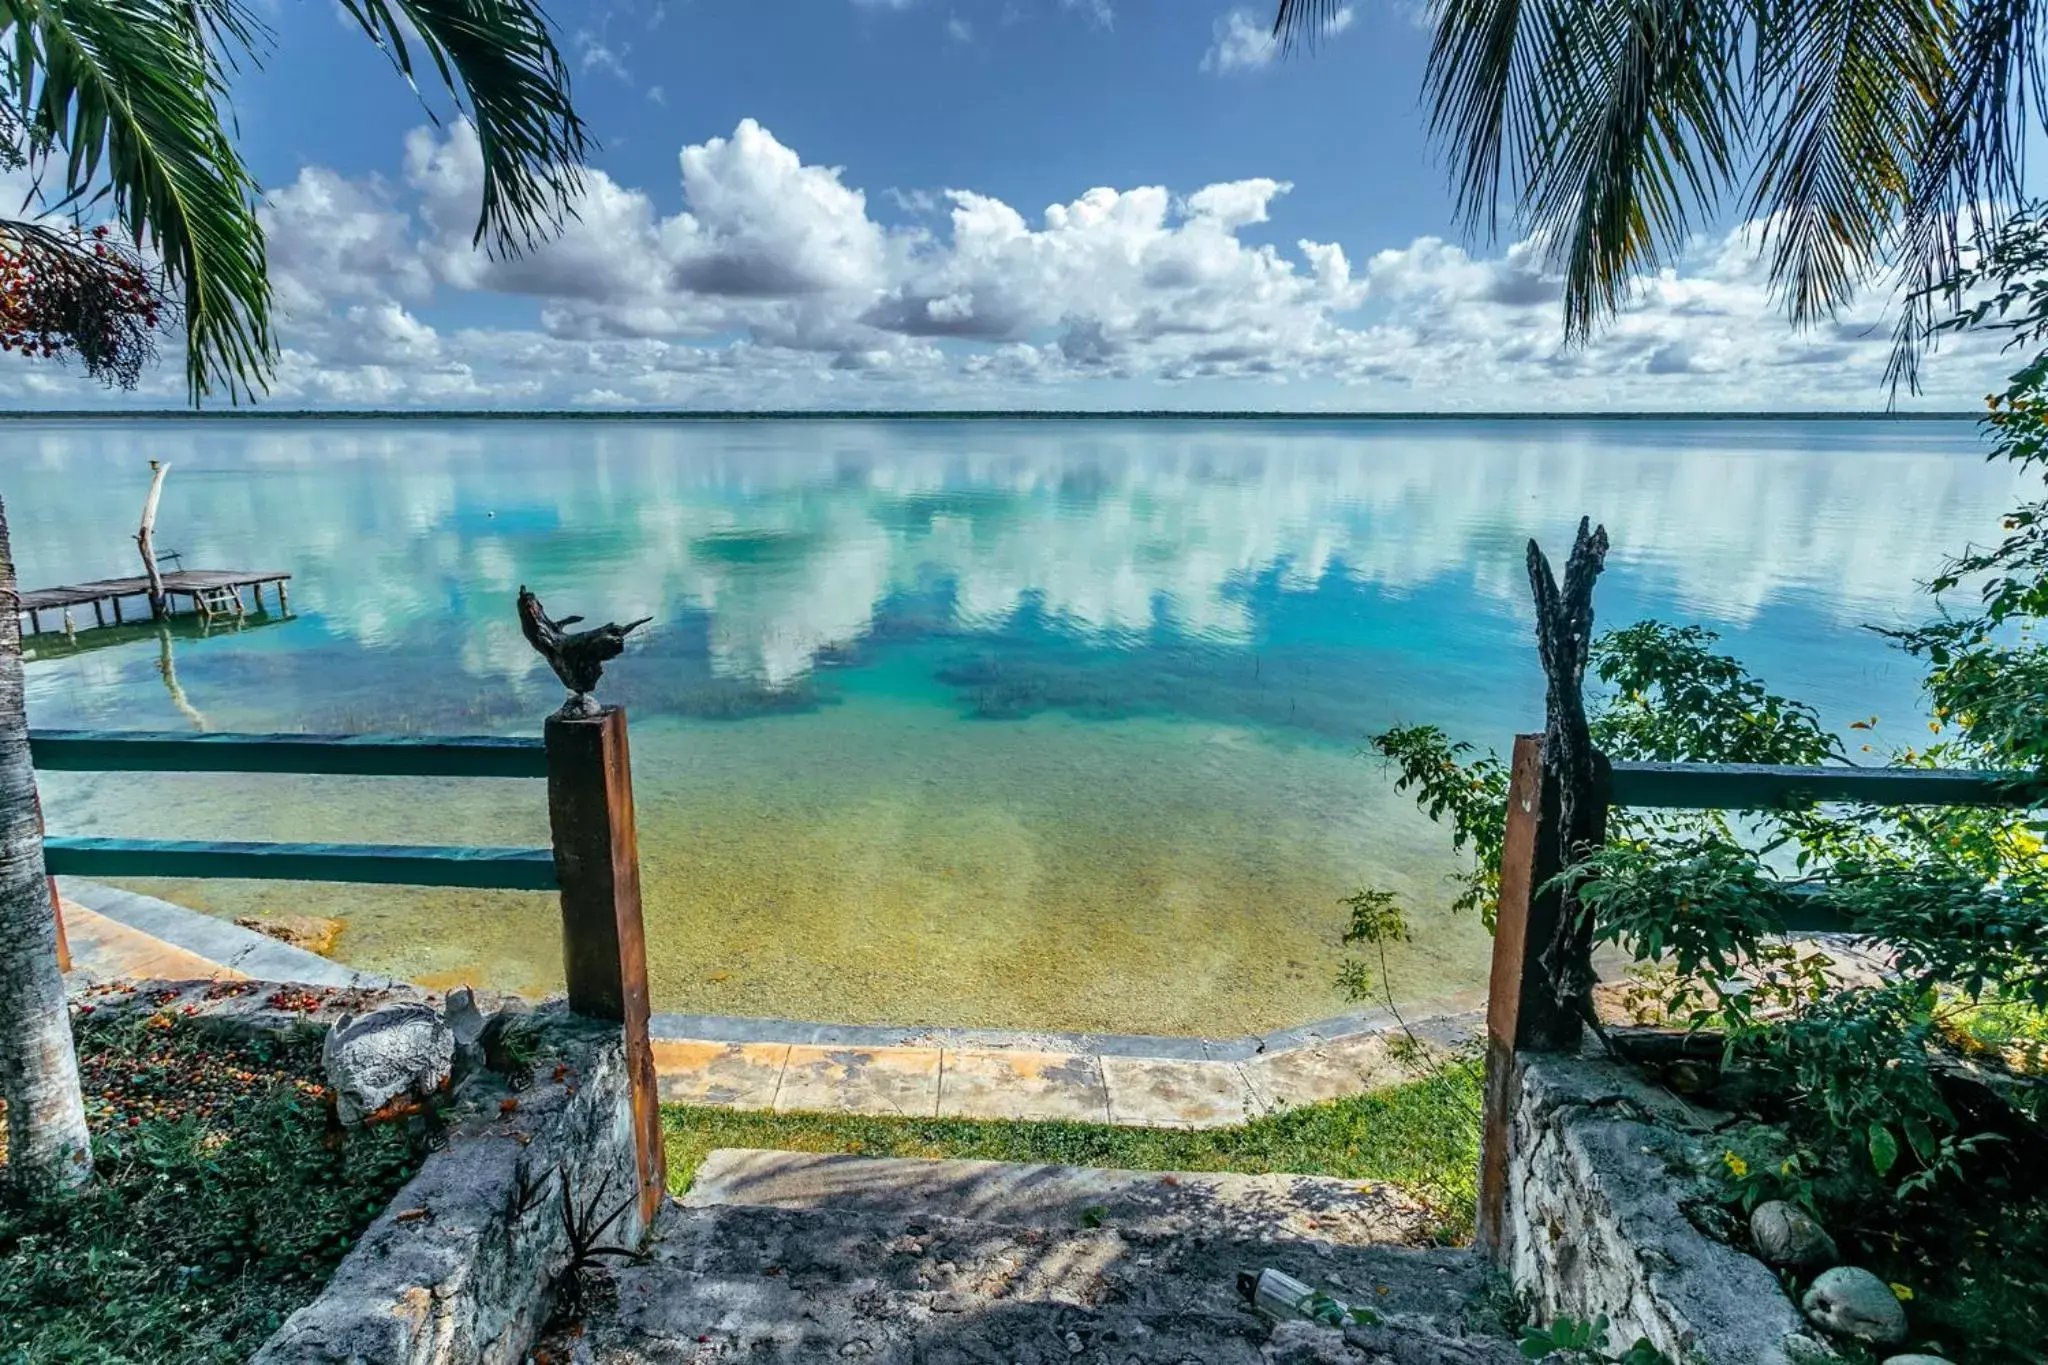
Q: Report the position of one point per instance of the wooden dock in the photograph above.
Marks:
(211, 593)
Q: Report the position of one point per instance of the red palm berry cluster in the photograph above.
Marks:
(73, 293)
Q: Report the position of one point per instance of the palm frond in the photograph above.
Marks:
(1847, 92)
(229, 30)
(127, 98)
(1298, 23)
(1481, 86)
(500, 61)
(1640, 118)
(1970, 166)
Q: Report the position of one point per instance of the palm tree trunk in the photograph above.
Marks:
(47, 1143)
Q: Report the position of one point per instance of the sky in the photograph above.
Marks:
(957, 204)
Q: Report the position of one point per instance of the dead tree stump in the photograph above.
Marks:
(1572, 769)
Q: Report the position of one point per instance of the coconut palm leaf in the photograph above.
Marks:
(1611, 123)
(1480, 79)
(1969, 169)
(1480, 82)
(1877, 135)
(121, 102)
(500, 60)
(1300, 22)
(1637, 120)
(1847, 90)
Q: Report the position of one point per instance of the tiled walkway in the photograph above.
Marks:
(1004, 1083)
(790, 1066)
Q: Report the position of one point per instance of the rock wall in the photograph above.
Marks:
(1597, 1223)
(459, 1269)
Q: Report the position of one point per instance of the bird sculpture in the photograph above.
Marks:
(578, 657)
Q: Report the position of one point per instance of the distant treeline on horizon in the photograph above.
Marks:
(958, 415)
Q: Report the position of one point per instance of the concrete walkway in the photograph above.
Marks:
(104, 950)
(994, 1082)
(789, 1066)
(133, 927)
(1245, 1208)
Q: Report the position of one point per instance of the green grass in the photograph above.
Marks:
(217, 1206)
(1423, 1136)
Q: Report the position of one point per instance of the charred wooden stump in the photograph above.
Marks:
(1573, 771)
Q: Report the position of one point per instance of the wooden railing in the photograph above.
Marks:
(511, 869)
(593, 862)
(1522, 1010)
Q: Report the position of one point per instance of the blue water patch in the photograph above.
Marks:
(1045, 724)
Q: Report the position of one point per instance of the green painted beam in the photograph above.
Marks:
(506, 869)
(1808, 911)
(343, 755)
(1745, 786)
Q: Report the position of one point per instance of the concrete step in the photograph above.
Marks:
(1010, 1194)
(828, 1249)
(767, 1284)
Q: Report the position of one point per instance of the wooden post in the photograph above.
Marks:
(145, 540)
(117, 611)
(284, 599)
(1524, 1011)
(604, 944)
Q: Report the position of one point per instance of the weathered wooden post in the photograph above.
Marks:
(604, 944)
(1523, 1011)
(145, 540)
(1539, 992)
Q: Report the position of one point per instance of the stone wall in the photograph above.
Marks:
(1597, 1222)
(460, 1268)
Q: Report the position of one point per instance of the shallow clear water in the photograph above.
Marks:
(1050, 725)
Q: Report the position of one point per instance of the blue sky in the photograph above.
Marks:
(924, 203)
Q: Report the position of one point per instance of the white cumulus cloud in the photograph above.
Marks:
(1243, 42)
(773, 284)
(1243, 39)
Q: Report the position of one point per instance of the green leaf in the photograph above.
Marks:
(500, 60)
(1920, 1137)
(1884, 1148)
(124, 103)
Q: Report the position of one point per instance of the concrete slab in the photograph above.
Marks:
(243, 951)
(1010, 1194)
(736, 1075)
(1023, 1085)
(1149, 1093)
(104, 950)
(881, 1080)
(777, 1286)
(1328, 1070)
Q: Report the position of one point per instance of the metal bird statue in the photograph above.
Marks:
(577, 657)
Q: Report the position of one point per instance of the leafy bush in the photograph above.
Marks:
(1847, 1079)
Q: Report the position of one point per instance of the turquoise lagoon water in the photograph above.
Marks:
(1037, 724)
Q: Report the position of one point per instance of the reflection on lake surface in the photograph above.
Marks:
(1047, 724)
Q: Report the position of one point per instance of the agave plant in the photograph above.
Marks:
(119, 108)
(1868, 139)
